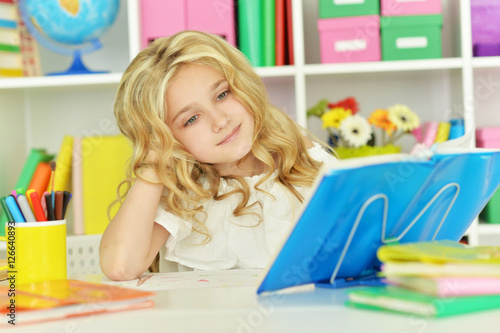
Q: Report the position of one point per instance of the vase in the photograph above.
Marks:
(348, 152)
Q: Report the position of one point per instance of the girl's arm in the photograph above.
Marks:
(132, 238)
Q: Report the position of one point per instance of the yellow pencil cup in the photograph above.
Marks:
(36, 251)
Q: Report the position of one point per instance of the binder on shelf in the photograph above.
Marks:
(443, 131)
(103, 165)
(62, 178)
(251, 30)
(280, 33)
(269, 32)
(357, 205)
(289, 33)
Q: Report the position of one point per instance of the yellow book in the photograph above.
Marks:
(439, 252)
(62, 176)
(443, 132)
(104, 162)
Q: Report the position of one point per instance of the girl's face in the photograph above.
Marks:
(207, 119)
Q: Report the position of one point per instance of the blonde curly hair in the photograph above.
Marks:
(140, 111)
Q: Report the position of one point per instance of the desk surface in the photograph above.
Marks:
(238, 309)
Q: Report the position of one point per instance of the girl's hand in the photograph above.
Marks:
(147, 172)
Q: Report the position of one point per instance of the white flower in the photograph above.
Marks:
(404, 118)
(355, 130)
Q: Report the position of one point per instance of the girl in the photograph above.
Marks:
(220, 172)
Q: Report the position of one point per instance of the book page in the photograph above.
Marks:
(188, 280)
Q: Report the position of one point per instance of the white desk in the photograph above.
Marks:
(240, 310)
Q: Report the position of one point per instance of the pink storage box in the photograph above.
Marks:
(212, 16)
(160, 19)
(350, 39)
(488, 137)
(409, 7)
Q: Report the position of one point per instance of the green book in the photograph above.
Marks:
(397, 299)
(269, 32)
(250, 32)
(36, 156)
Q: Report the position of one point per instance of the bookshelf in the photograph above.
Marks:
(40, 110)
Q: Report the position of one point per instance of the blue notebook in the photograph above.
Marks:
(360, 204)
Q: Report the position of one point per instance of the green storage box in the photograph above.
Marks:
(343, 8)
(491, 213)
(411, 37)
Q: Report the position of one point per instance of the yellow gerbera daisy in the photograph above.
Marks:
(404, 119)
(334, 117)
(380, 119)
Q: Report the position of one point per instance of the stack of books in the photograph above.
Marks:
(434, 279)
(60, 299)
(10, 42)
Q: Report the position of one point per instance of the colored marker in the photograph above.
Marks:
(28, 196)
(37, 207)
(25, 208)
(58, 209)
(42, 200)
(14, 209)
(50, 209)
(6, 210)
(67, 197)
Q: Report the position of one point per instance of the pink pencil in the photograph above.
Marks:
(42, 201)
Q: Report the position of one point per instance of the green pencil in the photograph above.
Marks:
(6, 210)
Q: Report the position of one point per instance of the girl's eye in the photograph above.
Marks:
(223, 95)
(191, 121)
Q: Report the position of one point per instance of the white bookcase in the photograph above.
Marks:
(37, 112)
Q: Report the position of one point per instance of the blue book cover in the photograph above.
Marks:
(358, 205)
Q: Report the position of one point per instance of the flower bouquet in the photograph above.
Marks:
(352, 135)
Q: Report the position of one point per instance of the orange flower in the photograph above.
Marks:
(380, 118)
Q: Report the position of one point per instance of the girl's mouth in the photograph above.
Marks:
(230, 136)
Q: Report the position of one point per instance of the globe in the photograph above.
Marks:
(77, 24)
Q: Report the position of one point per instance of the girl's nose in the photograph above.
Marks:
(220, 121)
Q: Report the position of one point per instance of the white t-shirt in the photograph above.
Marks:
(237, 242)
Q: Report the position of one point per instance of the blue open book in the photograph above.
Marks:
(357, 205)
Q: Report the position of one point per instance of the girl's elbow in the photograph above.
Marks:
(117, 268)
(118, 272)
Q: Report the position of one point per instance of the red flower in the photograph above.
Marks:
(349, 103)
